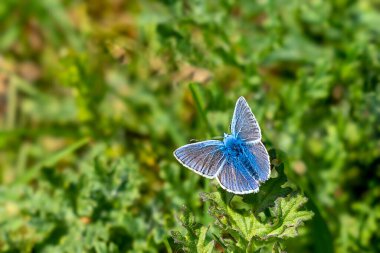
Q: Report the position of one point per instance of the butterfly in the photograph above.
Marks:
(239, 163)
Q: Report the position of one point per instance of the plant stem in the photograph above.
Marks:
(195, 93)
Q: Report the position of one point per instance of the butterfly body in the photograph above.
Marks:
(240, 162)
(233, 146)
(239, 155)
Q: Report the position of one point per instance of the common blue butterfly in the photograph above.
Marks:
(240, 162)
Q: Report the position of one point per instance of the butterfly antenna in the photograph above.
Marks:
(216, 137)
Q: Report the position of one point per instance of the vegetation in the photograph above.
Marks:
(95, 96)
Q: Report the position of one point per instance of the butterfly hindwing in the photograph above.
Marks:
(236, 179)
(261, 160)
(204, 158)
(244, 124)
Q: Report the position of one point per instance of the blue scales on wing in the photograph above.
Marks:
(205, 158)
(244, 124)
(260, 160)
(235, 178)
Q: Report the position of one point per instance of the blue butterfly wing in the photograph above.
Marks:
(205, 158)
(236, 179)
(260, 160)
(244, 124)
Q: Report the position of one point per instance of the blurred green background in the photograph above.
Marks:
(96, 95)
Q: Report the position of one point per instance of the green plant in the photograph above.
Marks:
(68, 212)
(252, 223)
(137, 79)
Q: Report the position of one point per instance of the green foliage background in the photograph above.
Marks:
(96, 95)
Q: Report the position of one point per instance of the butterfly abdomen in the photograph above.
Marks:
(247, 161)
(239, 155)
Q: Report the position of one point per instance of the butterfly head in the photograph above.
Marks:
(229, 139)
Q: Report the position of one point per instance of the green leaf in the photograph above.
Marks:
(51, 160)
(269, 191)
(288, 217)
(250, 230)
(194, 88)
(202, 247)
(194, 239)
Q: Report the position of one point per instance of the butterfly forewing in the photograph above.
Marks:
(244, 124)
(204, 158)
